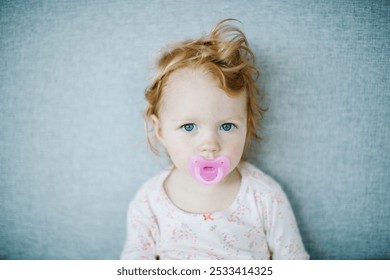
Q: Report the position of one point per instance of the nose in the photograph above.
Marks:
(209, 145)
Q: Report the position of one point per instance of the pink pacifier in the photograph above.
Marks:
(208, 171)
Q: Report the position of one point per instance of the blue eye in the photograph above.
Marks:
(227, 126)
(188, 127)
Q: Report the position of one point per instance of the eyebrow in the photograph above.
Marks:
(237, 117)
(195, 120)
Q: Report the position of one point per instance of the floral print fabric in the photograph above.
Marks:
(259, 224)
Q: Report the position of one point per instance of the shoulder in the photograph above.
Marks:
(257, 178)
(153, 183)
(150, 191)
(263, 187)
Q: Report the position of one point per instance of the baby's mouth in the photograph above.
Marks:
(208, 171)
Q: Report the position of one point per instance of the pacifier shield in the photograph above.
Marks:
(208, 171)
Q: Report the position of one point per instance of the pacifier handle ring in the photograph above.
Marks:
(215, 180)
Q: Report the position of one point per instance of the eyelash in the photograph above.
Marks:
(188, 127)
(231, 126)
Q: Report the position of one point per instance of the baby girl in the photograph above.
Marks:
(211, 204)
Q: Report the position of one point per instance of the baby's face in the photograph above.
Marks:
(198, 118)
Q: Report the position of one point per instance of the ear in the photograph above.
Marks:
(157, 130)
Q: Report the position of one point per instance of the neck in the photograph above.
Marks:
(194, 197)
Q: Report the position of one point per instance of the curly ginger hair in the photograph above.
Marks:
(224, 53)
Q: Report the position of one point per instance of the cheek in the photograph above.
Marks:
(236, 140)
(176, 141)
(178, 148)
(235, 147)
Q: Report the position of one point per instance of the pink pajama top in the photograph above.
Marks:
(259, 224)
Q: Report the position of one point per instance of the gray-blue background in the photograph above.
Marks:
(72, 147)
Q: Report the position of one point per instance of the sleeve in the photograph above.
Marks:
(142, 230)
(283, 235)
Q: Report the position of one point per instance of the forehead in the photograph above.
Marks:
(184, 77)
(194, 91)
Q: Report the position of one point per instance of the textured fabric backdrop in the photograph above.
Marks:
(72, 147)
